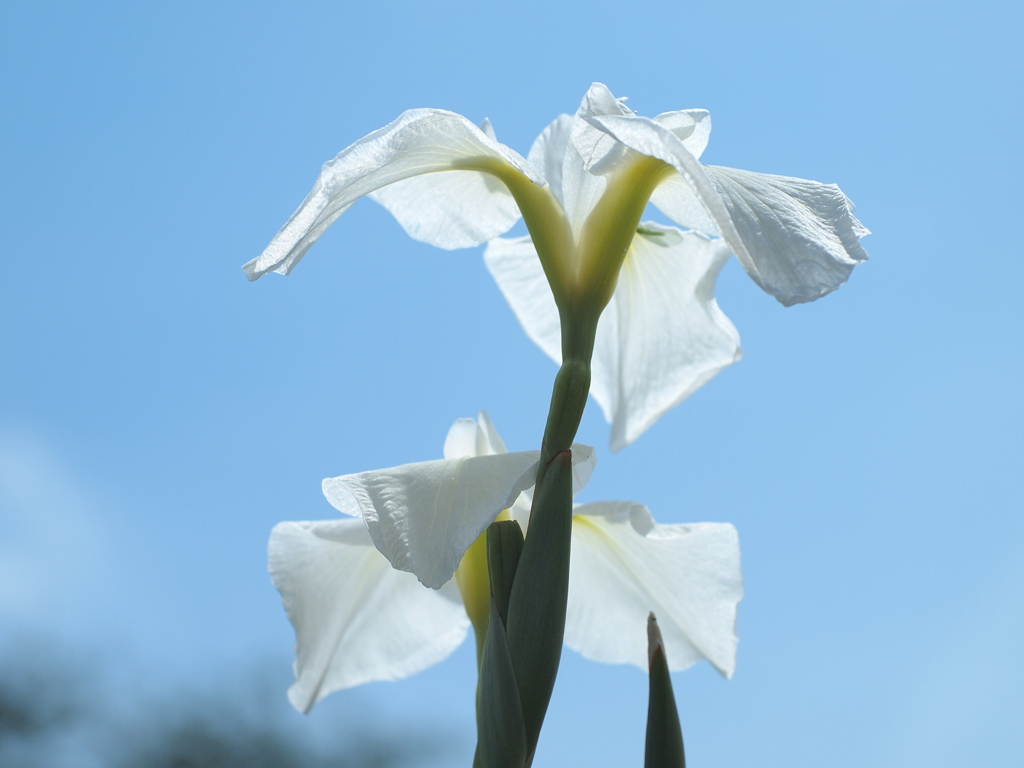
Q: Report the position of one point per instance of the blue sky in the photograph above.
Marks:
(159, 414)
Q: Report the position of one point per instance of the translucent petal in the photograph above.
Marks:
(457, 209)
(801, 236)
(356, 619)
(661, 337)
(675, 197)
(424, 516)
(469, 437)
(420, 141)
(572, 184)
(691, 126)
(548, 153)
(584, 459)
(599, 149)
(797, 239)
(462, 439)
(623, 566)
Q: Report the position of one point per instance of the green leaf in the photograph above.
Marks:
(501, 740)
(504, 547)
(536, 610)
(664, 735)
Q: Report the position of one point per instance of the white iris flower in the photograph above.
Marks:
(357, 619)
(581, 193)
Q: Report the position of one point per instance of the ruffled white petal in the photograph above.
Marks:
(469, 208)
(661, 337)
(623, 566)
(599, 150)
(423, 517)
(356, 619)
(797, 239)
(691, 126)
(801, 237)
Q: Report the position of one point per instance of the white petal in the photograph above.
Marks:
(462, 439)
(797, 239)
(572, 184)
(548, 153)
(623, 566)
(584, 459)
(676, 198)
(356, 619)
(473, 438)
(801, 236)
(420, 141)
(424, 516)
(691, 126)
(599, 149)
(663, 335)
(457, 209)
(489, 441)
(516, 268)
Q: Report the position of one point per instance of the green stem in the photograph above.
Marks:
(571, 387)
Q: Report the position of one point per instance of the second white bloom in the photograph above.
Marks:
(357, 619)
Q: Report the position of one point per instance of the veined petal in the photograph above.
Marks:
(356, 619)
(572, 184)
(599, 149)
(797, 239)
(623, 566)
(691, 126)
(423, 517)
(457, 209)
(420, 141)
(663, 335)
(548, 153)
(802, 238)
(660, 338)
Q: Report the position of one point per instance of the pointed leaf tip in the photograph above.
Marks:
(655, 642)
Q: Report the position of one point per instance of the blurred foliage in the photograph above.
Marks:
(53, 716)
